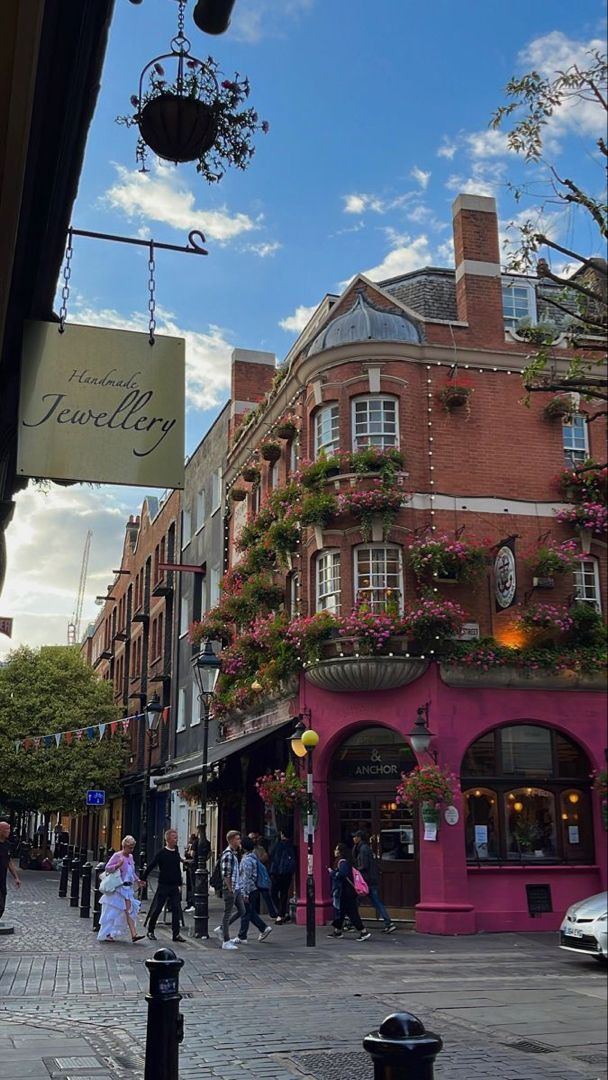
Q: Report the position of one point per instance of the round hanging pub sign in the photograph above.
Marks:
(505, 577)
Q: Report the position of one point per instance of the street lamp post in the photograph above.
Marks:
(154, 709)
(303, 742)
(206, 668)
(420, 736)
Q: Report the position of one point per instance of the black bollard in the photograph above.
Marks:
(165, 1028)
(63, 877)
(85, 893)
(402, 1049)
(143, 892)
(75, 883)
(99, 869)
(71, 850)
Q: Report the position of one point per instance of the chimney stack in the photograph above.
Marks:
(478, 281)
(252, 375)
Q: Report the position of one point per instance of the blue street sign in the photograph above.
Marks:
(96, 798)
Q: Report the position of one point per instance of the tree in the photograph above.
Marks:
(46, 691)
(535, 102)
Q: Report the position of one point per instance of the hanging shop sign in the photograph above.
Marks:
(505, 575)
(102, 405)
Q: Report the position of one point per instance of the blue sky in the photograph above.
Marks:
(378, 118)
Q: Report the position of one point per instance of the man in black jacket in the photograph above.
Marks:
(169, 862)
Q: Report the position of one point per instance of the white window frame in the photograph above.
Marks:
(186, 527)
(184, 616)
(328, 580)
(327, 429)
(571, 427)
(200, 509)
(216, 490)
(195, 708)
(587, 583)
(294, 449)
(377, 603)
(362, 435)
(514, 312)
(273, 475)
(214, 587)
(181, 711)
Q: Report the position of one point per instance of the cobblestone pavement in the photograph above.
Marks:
(507, 1006)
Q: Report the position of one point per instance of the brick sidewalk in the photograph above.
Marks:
(280, 1011)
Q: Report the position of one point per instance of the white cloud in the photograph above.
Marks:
(549, 223)
(447, 149)
(487, 144)
(258, 19)
(207, 353)
(295, 323)
(405, 255)
(162, 195)
(421, 177)
(557, 52)
(45, 542)
(264, 249)
(485, 178)
(360, 203)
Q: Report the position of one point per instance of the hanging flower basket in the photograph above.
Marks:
(284, 791)
(185, 111)
(560, 407)
(445, 559)
(455, 396)
(287, 429)
(270, 451)
(238, 494)
(251, 475)
(428, 786)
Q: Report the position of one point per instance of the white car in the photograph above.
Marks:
(585, 927)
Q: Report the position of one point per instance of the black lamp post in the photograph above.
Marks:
(303, 742)
(206, 668)
(420, 736)
(154, 709)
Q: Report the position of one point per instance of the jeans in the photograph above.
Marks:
(379, 906)
(231, 900)
(250, 915)
(264, 894)
(348, 909)
(169, 894)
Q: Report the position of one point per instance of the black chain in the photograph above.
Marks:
(180, 20)
(152, 298)
(65, 292)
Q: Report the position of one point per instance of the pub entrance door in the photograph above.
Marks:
(365, 772)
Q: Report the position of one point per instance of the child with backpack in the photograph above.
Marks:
(344, 895)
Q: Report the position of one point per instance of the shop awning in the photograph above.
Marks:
(191, 767)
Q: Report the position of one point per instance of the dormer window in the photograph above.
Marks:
(518, 302)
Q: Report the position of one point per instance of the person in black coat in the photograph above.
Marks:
(282, 869)
(344, 895)
(169, 862)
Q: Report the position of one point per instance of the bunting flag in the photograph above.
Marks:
(90, 732)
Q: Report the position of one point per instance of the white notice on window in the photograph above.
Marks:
(573, 837)
(430, 830)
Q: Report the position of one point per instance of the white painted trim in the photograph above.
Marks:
(253, 356)
(373, 375)
(483, 203)
(485, 505)
(477, 269)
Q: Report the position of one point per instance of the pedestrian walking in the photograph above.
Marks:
(119, 909)
(169, 863)
(231, 888)
(191, 858)
(363, 859)
(6, 864)
(282, 869)
(249, 870)
(259, 848)
(344, 895)
(264, 882)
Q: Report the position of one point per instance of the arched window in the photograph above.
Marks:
(526, 794)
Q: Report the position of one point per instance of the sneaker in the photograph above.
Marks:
(219, 933)
(230, 945)
(278, 920)
(335, 933)
(389, 928)
(363, 936)
(265, 933)
(240, 941)
(189, 910)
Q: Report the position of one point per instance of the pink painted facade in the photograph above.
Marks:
(457, 897)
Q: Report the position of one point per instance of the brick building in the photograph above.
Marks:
(378, 367)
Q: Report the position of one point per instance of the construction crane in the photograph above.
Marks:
(74, 625)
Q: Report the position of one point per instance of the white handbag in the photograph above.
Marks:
(110, 882)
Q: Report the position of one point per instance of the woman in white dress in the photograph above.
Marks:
(119, 908)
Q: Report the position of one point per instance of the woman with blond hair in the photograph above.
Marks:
(119, 908)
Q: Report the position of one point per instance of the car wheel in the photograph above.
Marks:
(602, 959)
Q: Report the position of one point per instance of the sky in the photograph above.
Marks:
(378, 118)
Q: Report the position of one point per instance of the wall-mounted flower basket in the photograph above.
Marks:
(287, 430)
(238, 494)
(251, 475)
(560, 407)
(456, 396)
(270, 451)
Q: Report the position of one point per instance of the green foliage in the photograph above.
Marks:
(588, 627)
(42, 692)
(318, 509)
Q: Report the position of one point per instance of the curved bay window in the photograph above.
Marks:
(375, 422)
(527, 797)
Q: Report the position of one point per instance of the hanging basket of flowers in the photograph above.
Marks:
(552, 558)
(238, 494)
(287, 429)
(428, 786)
(185, 111)
(251, 474)
(447, 559)
(544, 623)
(454, 395)
(283, 790)
(560, 407)
(270, 451)
(430, 622)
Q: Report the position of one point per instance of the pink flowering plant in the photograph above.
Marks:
(283, 790)
(589, 515)
(552, 558)
(427, 784)
(378, 501)
(587, 483)
(545, 617)
(430, 621)
(486, 654)
(373, 630)
(442, 556)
